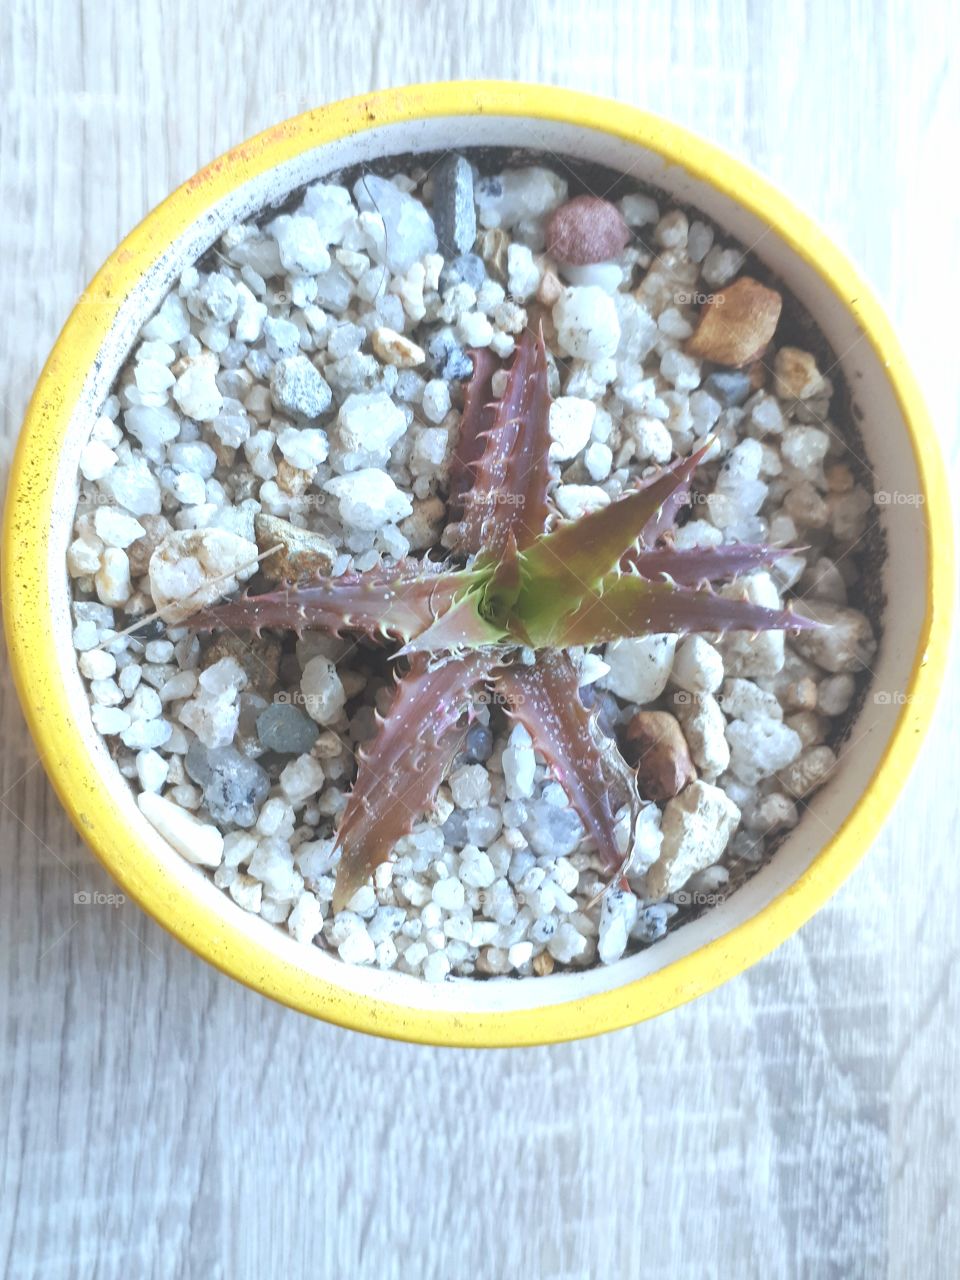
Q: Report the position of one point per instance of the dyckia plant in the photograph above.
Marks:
(498, 622)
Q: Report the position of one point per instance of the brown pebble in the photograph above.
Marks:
(736, 325)
(543, 964)
(655, 745)
(587, 229)
(796, 376)
(302, 554)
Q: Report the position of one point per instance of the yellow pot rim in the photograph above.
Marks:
(36, 663)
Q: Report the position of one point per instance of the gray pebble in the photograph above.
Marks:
(284, 728)
(234, 786)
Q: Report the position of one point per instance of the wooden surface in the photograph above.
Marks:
(160, 1121)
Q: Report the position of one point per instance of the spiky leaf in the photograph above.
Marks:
(400, 770)
(478, 417)
(695, 565)
(510, 492)
(396, 602)
(545, 698)
(629, 605)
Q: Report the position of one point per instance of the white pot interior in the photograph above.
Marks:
(890, 457)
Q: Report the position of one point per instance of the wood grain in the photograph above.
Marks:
(160, 1121)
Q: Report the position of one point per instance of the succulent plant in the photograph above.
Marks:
(521, 588)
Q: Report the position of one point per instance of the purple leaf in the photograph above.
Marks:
(397, 602)
(509, 495)
(696, 565)
(545, 699)
(399, 772)
(479, 414)
(629, 605)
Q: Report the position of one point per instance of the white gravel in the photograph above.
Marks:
(313, 371)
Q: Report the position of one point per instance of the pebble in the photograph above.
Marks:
(306, 919)
(759, 748)
(302, 553)
(112, 579)
(697, 825)
(197, 394)
(571, 421)
(234, 786)
(618, 916)
(795, 374)
(729, 387)
(639, 667)
(587, 229)
(704, 729)
(132, 486)
(198, 842)
(505, 199)
(519, 764)
(300, 243)
(466, 268)
(368, 499)
(470, 786)
(454, 214)
(697, 666)
(194, 567)
(655, 745)
(96, 460)
(808, 771)
(284, 728)
(737, 325)
(408, 228)
(301, 779)
(304, 447)
(394, 349)
(575, 500)
(587, 323)
(843, 642)
(297, 387)
(323, 693)
(369, 425)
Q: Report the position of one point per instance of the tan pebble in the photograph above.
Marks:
(492, 247)
(549, 289)
(796, 376)
(393, 348)
(292, 480)
(736, 325)
(543, 964)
